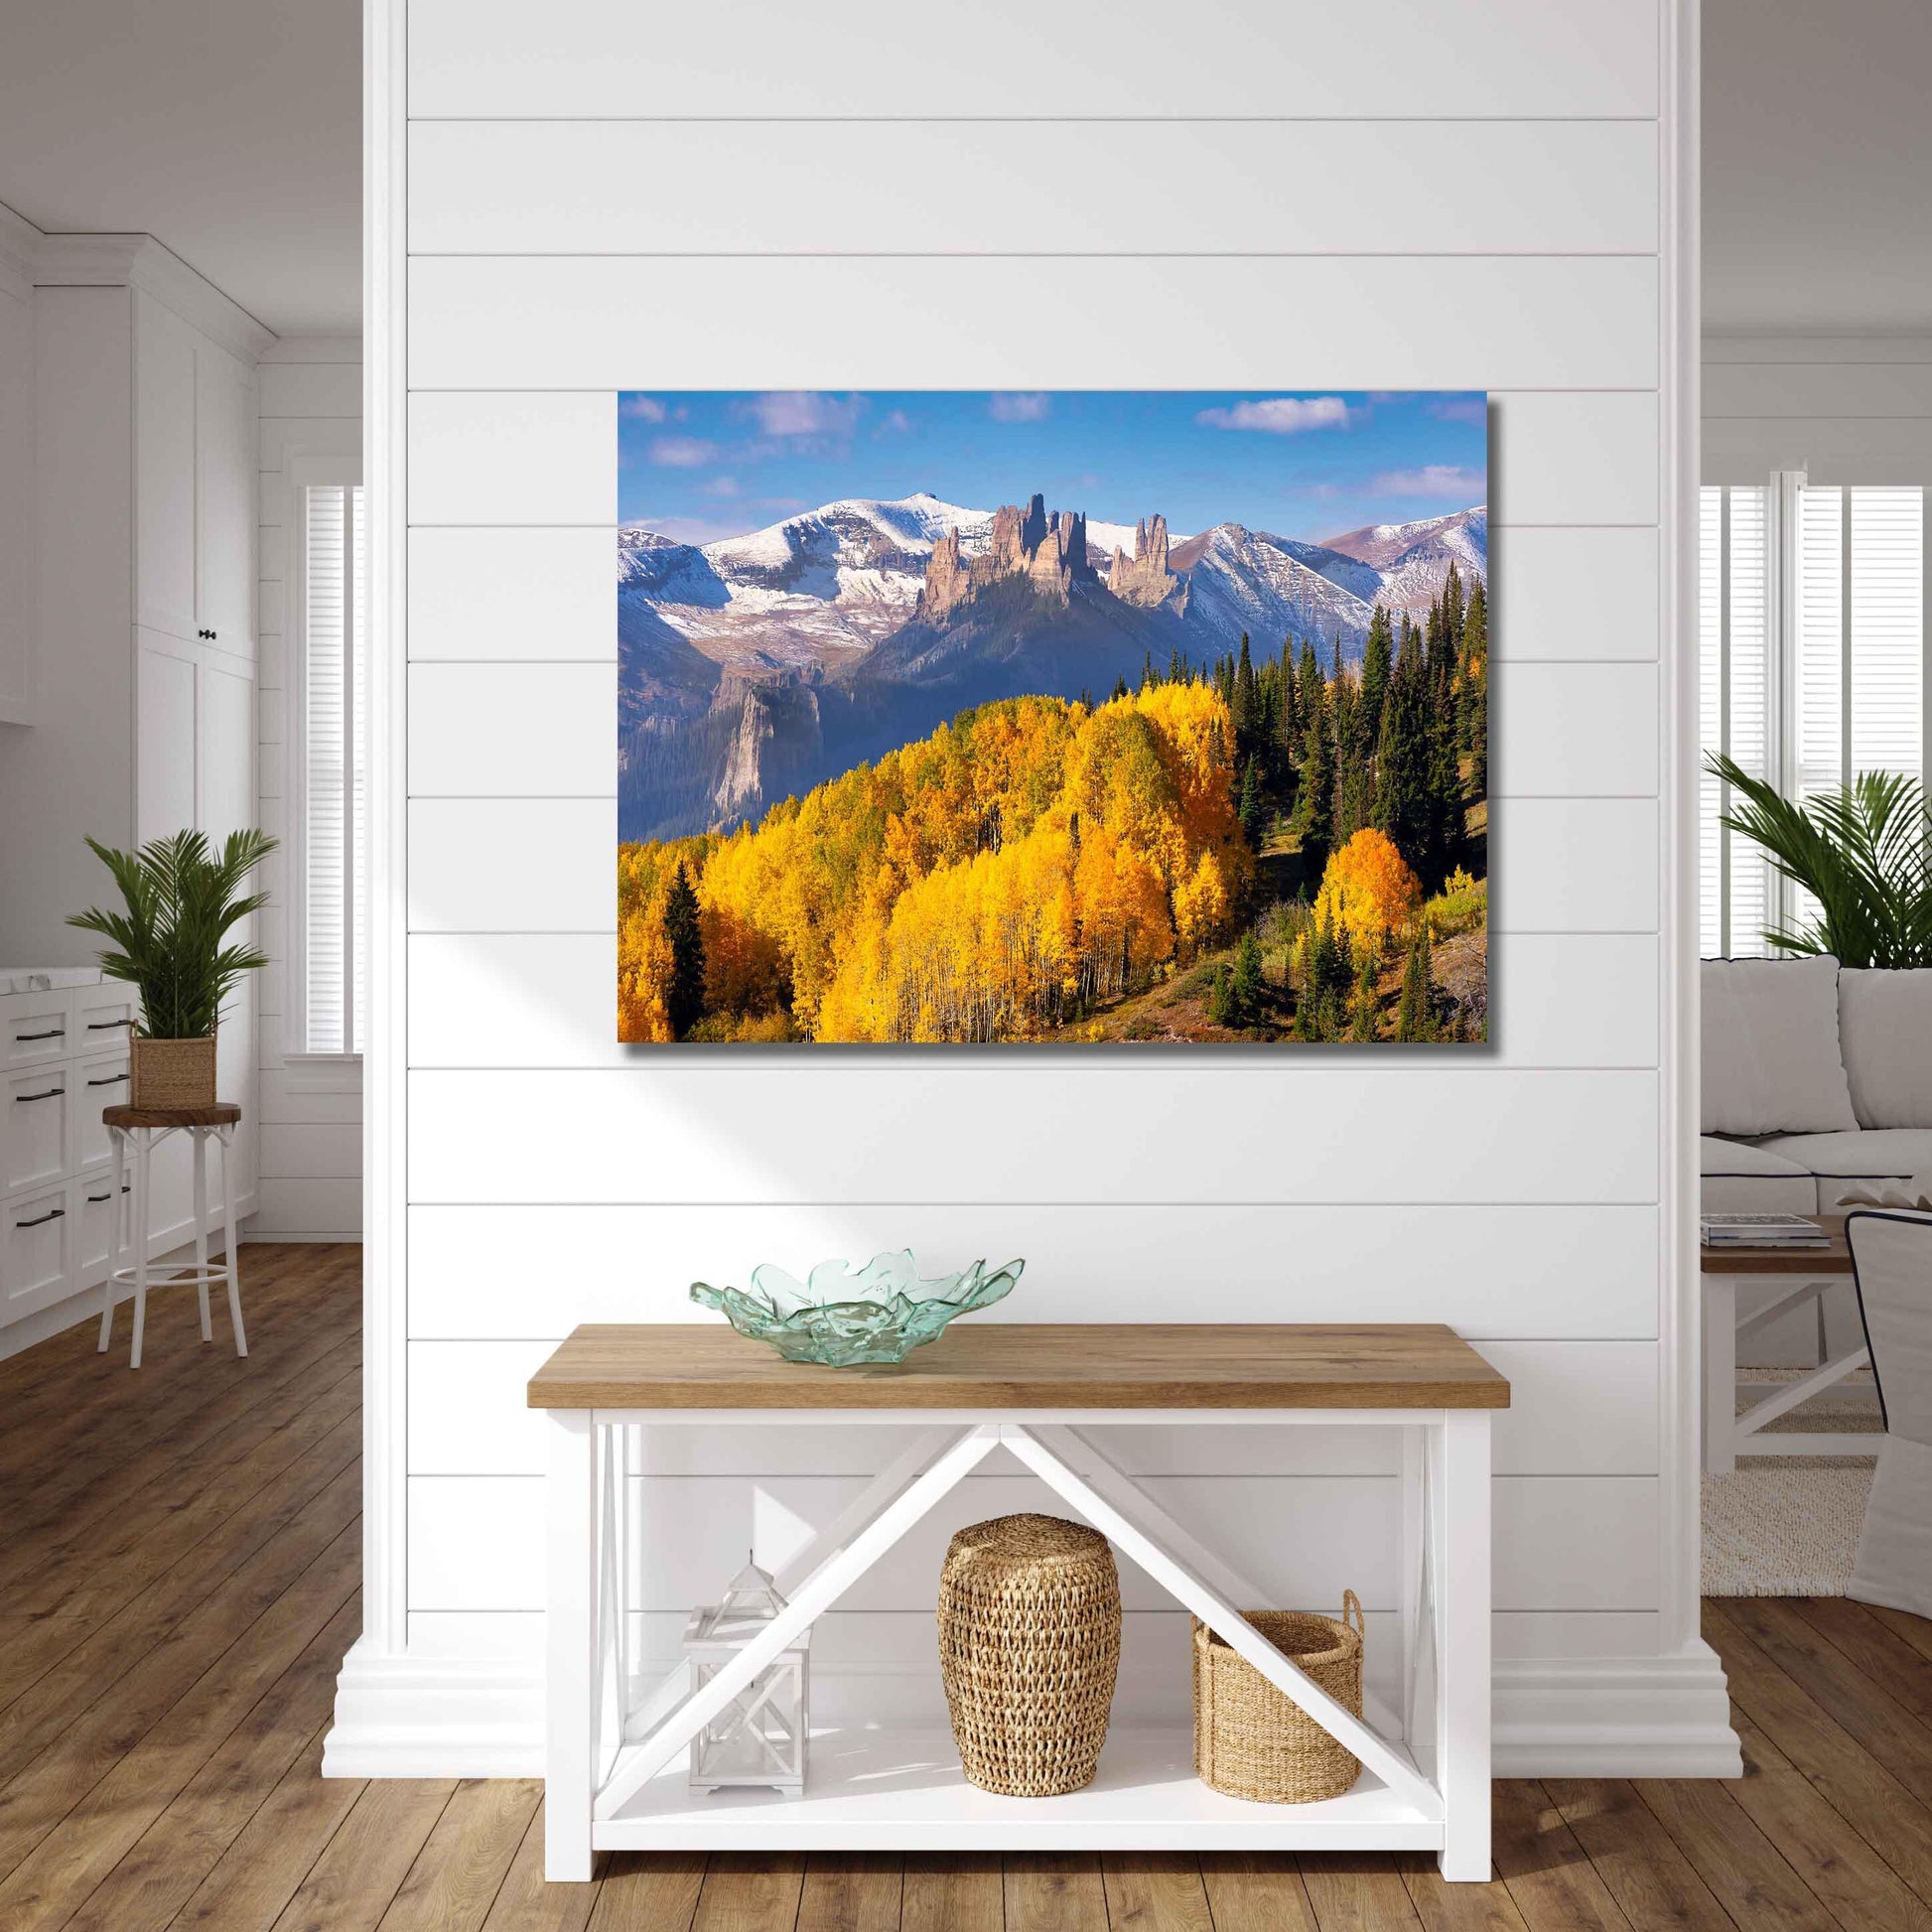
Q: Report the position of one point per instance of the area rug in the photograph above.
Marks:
(1788, 1525)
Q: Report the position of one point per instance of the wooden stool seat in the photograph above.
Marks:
(224, 1113)
(139, 1129)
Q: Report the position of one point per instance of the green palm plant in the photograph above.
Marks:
(183, 899)
(1862, 851)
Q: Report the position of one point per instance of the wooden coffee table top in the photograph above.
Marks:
(1835, 1260)
(1025, 1365)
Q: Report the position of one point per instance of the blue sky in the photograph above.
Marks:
(701, 464)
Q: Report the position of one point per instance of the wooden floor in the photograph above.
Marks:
(178, 1583)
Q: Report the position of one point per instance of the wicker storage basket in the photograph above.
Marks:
(1250, 1741)
(171, 1073)
(1029, 1645)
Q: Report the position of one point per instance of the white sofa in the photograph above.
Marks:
(1817, 1082)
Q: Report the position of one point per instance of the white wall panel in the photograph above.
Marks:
(602, 322)
(1573, 730)
(513, 731)
(545, 1000)
(1585, 865)
(766, 58)
(514, 458)
(312, 389)
(513, 594)
(1543, 604)
(685, 1127)
(524, 1272)
(1329, 185)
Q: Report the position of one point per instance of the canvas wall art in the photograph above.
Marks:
(1082, 717)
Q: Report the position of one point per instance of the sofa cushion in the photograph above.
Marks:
(1884, 1022)
(1739, 1179)
(1771, 1061)
(1845, 1161)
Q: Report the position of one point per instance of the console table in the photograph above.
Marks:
(615, 1751)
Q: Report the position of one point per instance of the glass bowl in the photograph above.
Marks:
(841, 1316)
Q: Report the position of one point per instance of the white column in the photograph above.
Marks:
(571, 1645)
(1459, 1508)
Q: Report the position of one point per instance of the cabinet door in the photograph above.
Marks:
(164, 382)
(165, 741)
(35, 1252)
(225, 438)
(226, 758)
(34, 1130)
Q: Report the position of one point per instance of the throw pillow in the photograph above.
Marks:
(1886, 1027)
(1771, 1059)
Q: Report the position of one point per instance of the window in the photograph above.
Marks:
(329, 816)
(1810, 665)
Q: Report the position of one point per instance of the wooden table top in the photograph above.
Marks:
(1026, 1365)
(1835, 1260)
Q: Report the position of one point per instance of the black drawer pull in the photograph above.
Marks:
(56, 1033)
(108, 1080)
(96, 1199)
(41, 1220)
(104, 1026)
(50, 1094)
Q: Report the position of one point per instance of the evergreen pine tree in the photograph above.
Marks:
(1249, 811)
(1120, 688)
(1378, 661)
(684, 995)
(1402, 805)
(1247, 712)
(1245, 987)
(1415, 1018)
(1146, 670)
(1472, 699)
(1314, 802)
(1346, 730)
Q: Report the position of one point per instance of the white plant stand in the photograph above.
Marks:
(616, 1751)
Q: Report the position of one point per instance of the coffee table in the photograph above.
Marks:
(1810, 1273)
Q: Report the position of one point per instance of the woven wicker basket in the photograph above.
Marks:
(171, 1073)
(1029, 1646)
(1250, 1741)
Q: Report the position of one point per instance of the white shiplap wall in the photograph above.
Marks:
(310, 1144)
(721, 202)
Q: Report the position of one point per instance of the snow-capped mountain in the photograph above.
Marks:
(1239, 581)
(1413, 559)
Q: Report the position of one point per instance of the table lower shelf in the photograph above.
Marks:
(904, 1790)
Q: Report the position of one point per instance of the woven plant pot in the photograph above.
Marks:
(1028, 1647)
(171, 1073)
(1250, 1741)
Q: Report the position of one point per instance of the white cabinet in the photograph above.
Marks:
(194, 484)
(35, 1249)
(166, 736)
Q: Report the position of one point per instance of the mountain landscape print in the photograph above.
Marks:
(1082, 717)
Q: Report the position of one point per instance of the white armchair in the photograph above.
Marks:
(1891, 1260)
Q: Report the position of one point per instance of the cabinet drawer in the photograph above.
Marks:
(40, 1026)
(34, 1127)
(36, 1233)
(104, 1016)
(99, 1215)
(93, 1084)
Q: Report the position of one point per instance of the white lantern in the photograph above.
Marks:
(759, 1737)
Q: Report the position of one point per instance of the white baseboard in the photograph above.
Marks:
(1626, 1718)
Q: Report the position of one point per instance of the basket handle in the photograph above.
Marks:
(1350, 1602)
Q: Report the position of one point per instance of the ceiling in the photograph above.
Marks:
(1817, 167)
(229, 130)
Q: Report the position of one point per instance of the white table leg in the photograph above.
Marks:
(199, 1136)
(143, 1168)
(1414, 1499)
(1720, 1328)
(232, 1254)
(119, 1244)
(1460, 1505)
(571, 1642)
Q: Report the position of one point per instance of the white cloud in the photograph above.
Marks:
(680, 452)
(1280, 415)
(644, 409)
(722, 487)
(895, 422)
(805, 412)
(1435, 479)
(1020, 406)
(1473, 410)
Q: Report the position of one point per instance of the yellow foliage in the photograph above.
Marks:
(983, 883)
(1368, 890)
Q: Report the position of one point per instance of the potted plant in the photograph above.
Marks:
(182, 902)
(1863, 852)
